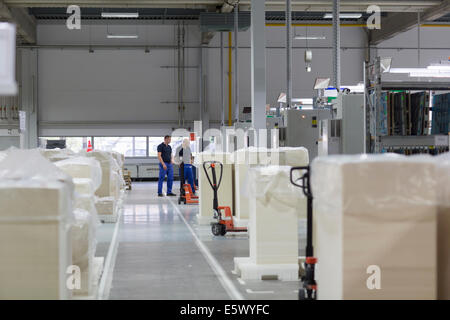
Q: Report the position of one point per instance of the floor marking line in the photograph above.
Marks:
(106, 280)
(259, 292)
(227, 284)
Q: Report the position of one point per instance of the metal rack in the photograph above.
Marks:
(375, 143)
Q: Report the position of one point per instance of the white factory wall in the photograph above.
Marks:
(119, 91)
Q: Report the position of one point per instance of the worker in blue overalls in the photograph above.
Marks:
(165, 166)
(186, 158)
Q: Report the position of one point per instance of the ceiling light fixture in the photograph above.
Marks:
(122, 36)
(344, 15)
(120, 15)
(310, 38)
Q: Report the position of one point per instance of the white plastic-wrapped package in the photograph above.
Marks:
(82, 167)
(225, 193)
(84, 186)
(83, 247)
(35, 218)
(107, 164)
(116, 185)
(86, 202)
(293, 157)
(245, 158)
(273, 225)
(120, 158)
(54, 155)
(106, 206)
(375, 218)
(443, 169)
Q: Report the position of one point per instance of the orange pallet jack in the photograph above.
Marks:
(224, 224)
(188, 197)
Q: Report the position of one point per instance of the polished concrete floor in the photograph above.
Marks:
(164, 254)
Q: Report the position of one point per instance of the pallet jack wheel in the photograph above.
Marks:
(218, 229)
(179, 200)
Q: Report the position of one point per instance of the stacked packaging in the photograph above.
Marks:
(375, 227)
(443, 175)
(225, 193)
(273, 225)
(111, 186)
(86, 174)
(35, 227)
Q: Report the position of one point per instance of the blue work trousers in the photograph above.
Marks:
(162, 175)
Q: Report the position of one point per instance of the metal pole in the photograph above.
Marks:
(230, 79)
(236, 78)
(258, 64)
(288, 53)
(336, 45)
(222, 95)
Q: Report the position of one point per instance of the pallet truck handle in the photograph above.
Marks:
(305, 180)
(214, 185)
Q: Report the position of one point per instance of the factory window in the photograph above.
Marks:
(75, 144)
(153, 143)
(129, 146)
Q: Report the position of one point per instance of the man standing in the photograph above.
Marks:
(165, 166)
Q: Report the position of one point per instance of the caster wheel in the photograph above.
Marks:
(179, 201)
(217, 229)
(184, 201)
(223, 231)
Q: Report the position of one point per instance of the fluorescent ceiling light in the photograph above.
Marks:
(407, 70)
(306, 101)
(439, 67)
(430, 75)
(310, 37)
(344, 15)
(120, 14)
(122, 36)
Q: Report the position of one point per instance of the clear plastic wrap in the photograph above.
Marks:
(54, 155)
(86, 202)
(272, 183)
(82, 167)
(34, 188)
(443, 162)
(83, 238)
(274, 211)
(373, 181)
(443, 175)
(108, 165)
(375, 210)
(84, 186)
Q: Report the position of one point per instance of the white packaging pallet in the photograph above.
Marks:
(249, 270)
(97, 274)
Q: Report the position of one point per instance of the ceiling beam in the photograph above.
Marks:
(26, 24)
(297, 5)
(397, 23)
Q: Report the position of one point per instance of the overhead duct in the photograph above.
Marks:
(222, 22)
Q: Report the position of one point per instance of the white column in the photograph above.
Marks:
(29, 95)
(258, 64)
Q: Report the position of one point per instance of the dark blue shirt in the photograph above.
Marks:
(166, 152)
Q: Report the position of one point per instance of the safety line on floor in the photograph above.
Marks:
(227, 284)
(106, 280)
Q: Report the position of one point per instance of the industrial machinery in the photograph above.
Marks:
(225, 224)
(344, 133)
(302, 129)
(309, 290)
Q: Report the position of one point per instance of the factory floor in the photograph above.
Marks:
(162, 253)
